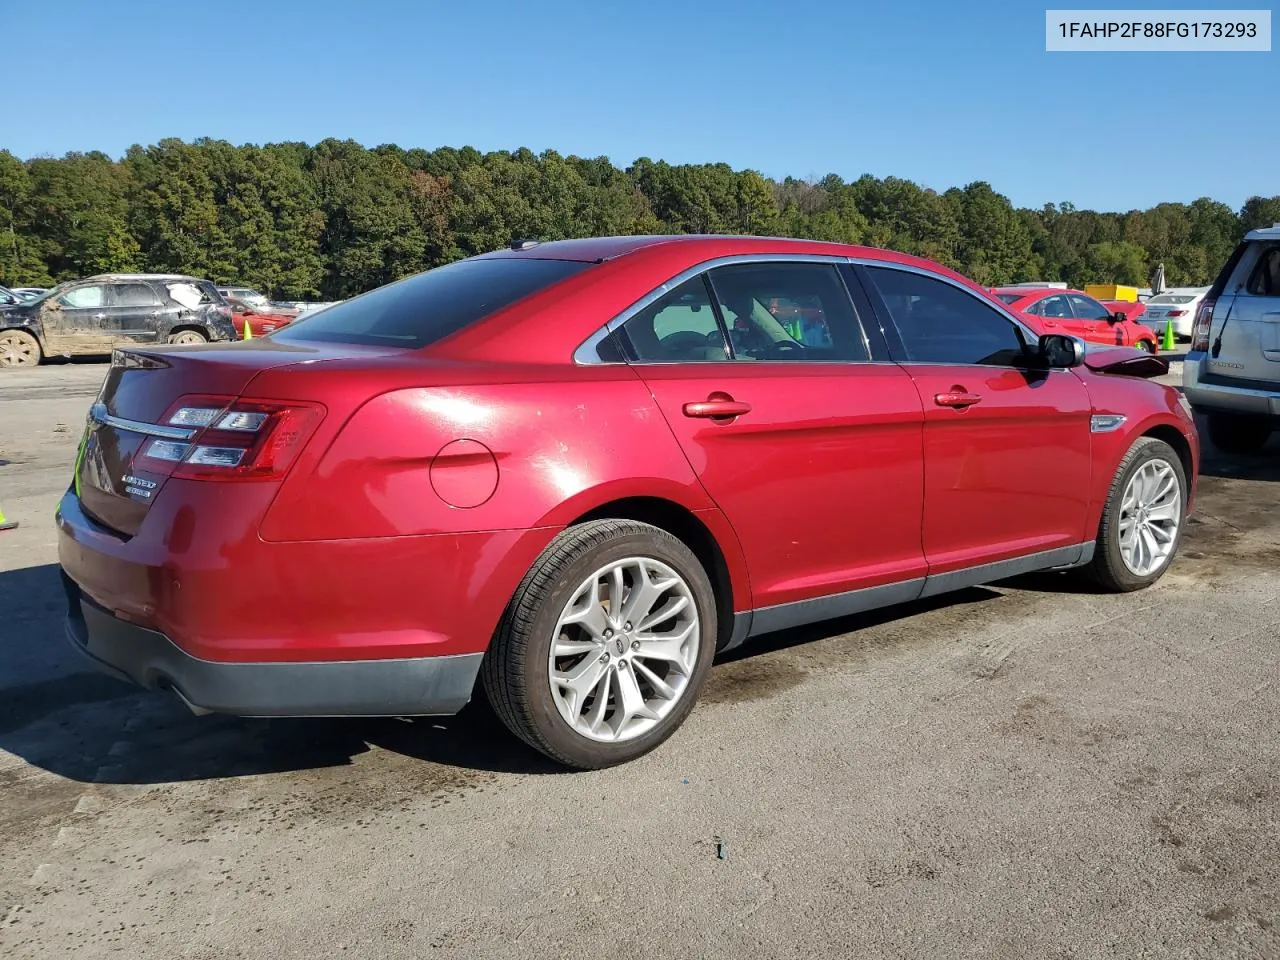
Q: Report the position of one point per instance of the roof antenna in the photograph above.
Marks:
(518, 244)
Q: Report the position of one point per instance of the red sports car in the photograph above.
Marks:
(576, 471)
(1054, 310)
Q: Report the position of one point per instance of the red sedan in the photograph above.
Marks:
(260, 320)
(575, 471)
(1054, 310)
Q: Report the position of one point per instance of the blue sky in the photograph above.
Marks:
(942, 93)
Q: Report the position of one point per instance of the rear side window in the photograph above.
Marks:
(134, 295)
(1265, 279)
(430, 306)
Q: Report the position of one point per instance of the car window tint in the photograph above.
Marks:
(84, 297)
(1009, 297)
(427, 307)
(1086, 308)
(1054, 307)
(788, 311)
(1265, 280)
(941, 323)
(134, 295)
(679, 327)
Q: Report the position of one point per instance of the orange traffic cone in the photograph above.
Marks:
(6, 524)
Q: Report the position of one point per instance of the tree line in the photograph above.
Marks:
(334, 219)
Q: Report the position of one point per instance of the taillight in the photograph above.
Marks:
(1204, 319)
(233, 439)
(1176, 313)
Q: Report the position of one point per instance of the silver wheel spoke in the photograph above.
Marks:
(660, 686)
(631, 701)
(1150, 517)
(624, 649)
(590, 613)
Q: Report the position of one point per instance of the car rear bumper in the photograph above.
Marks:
(353, 688)
(198, 576)
(1214, 393)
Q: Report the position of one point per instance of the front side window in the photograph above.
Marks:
(941, 323)
(1086, 308)
(134, 295)
(788, 311)
(84, 297)
(1055, 307)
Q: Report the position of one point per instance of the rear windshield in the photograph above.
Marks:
(427, 307)
(1010, 297)
(1171, 298)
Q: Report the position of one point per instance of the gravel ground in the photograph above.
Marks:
(1025, 770)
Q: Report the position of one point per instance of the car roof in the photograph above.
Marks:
(704, 246)
(1029, 293)
(1264, 233)
(144, 276)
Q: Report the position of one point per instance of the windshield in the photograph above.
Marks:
(1009, 297)
(51, 292)
(430, 306)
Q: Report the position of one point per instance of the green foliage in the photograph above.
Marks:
(335, 219)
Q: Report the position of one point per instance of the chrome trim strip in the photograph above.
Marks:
(98, 414)
(584, 355)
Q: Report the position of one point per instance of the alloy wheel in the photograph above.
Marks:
(624, 649)
(1150, 516)
(18, 351)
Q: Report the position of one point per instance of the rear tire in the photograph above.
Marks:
(19, 349)
(1238, 434)
(1146, 346)
(1128, 506)
(569, 582)
(188, 337)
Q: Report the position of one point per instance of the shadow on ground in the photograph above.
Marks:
(59, 714)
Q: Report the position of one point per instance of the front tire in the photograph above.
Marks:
(188, 337)
(19, 349)
(1142, 520)
(602, 651)
(1238, 434)
(1146, 346)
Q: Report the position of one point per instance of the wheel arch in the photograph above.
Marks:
(725, 567)
(185, 326)
(1174, 438)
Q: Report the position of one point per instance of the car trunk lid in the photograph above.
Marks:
(117, 474)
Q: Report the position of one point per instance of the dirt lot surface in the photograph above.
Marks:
(1026, 770)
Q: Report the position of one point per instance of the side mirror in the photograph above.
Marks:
(1118, 317)
(1057, 350)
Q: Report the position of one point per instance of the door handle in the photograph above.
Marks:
(718, 406)
(957, 399)
(99, 316)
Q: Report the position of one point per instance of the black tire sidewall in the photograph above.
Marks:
(549, 725)
(1151, 449)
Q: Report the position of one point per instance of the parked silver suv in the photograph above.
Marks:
(1232, 373)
